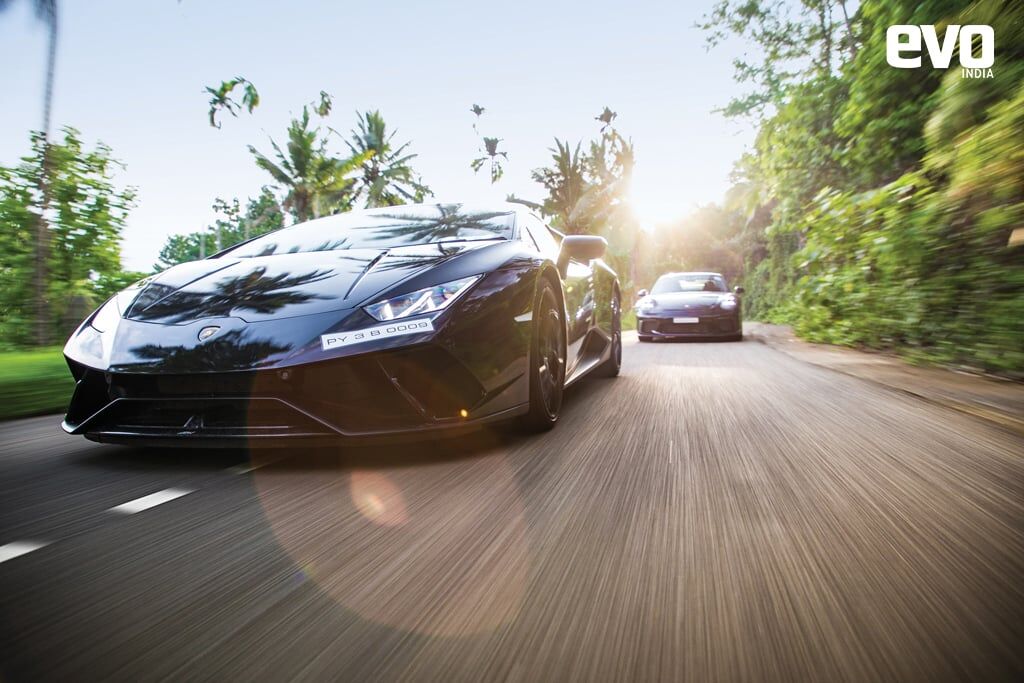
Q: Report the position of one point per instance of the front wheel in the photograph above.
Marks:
(547, 361)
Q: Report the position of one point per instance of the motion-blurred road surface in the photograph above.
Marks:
(718, 512)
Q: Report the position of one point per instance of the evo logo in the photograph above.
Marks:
(903, 47)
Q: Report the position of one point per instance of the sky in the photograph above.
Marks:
(131, 74)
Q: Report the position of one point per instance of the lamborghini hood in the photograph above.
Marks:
(283, 285)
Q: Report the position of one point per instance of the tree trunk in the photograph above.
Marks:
(41, 274)
(825, 23)
(849, 30)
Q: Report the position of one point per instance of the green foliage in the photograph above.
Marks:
(565, 182)
(261, 215)
(492, 156)
(883, 117)
(588, 191)
(797, 42)
(489, 152)
(314, 181)
(878, 202)
(917, 267)
(323, 107)
(221, 98)
(34, 382)
(385, 177)
(628, 316)
(86, 216)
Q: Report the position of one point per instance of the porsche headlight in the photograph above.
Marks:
(727, 304)
(646, 305)
(426, 300)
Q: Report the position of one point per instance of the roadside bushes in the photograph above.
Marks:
(921, 265)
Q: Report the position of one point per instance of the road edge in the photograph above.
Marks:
(980, 411)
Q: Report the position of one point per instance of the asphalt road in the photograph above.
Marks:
(718, 512)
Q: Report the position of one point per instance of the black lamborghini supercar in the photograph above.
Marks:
(381, 322)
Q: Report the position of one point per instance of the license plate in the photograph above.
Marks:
(686, 320)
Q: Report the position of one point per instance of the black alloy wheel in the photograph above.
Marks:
(547, 360)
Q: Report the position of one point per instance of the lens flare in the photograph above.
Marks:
(393, 533)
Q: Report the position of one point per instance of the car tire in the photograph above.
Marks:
(546, 360)
(645, 338)
(612, 366)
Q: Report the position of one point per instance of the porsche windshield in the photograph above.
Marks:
(399, 226)
(689, 282)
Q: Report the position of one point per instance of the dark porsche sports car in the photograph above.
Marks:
(381, 322)
(689, 305)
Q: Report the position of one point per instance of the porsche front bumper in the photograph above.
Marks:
(706, 326)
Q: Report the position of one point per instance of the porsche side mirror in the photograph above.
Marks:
(641, 294)
(739, 290)
(581, 248)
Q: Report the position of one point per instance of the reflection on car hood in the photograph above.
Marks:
(284, 285)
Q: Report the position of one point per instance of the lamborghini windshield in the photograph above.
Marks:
(398, 226)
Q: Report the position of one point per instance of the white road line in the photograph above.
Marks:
(19, 548)
(152, 500)
(670, 443)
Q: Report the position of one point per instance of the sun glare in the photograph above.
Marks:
(652, 211)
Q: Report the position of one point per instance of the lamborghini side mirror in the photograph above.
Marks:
(641, 294)
(584, 247)
(581, 248)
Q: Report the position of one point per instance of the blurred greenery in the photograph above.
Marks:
(877, 205)
(86, 213)
(34, 382)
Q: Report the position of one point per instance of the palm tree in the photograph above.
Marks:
(387, 179)
(586, 190)
(315, 183)
(46, 11)
(566, 184)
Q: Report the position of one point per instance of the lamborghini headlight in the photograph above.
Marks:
(87, 346)
(92, 344)
(426, 300)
